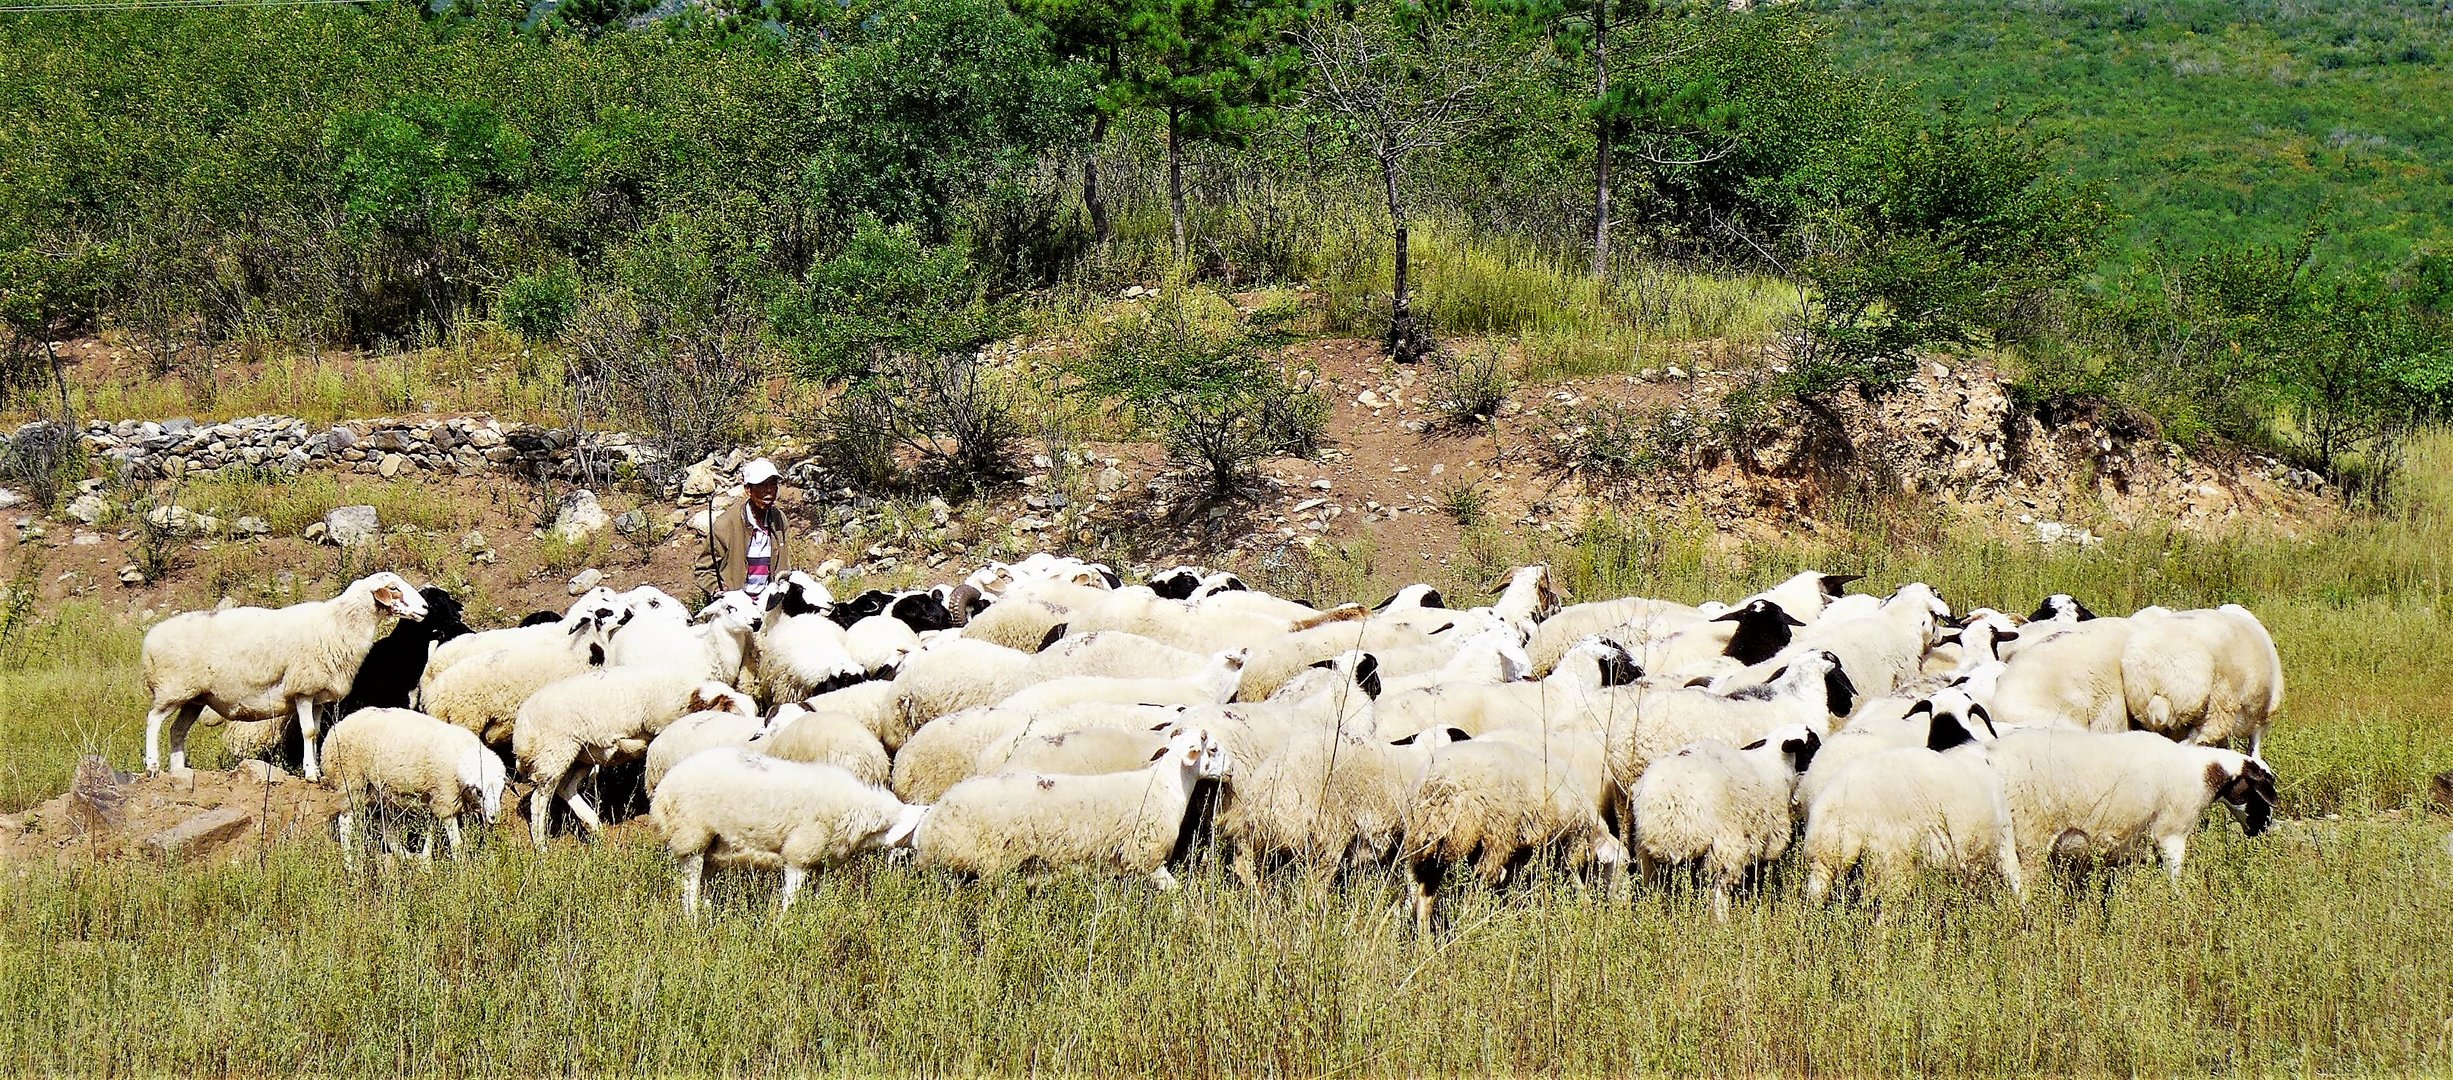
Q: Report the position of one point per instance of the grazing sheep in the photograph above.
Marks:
(799, 733)
(1326, 799)
(1213, 684)
(483, 693)
(598, 719)
(1278, 659)
(723, 728)
(2129, 795)
(1631, 618)
(1132, 822)
(251, 663)
(1027, 623)
(1866, 735)
(800, 650)
(1498, 803)
(2206, 677)
(379, 755)
(1811, 691)
(736, 808)
(1493, 657)
(1084, 751)
(1578, 688)
(1721, 807)
(947, 751)
(1941, 805)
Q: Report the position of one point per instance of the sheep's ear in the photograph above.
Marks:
(1055, 634)
(2083, 613)
(1458, 734)
(1734, 615)
(1833, 584)
(1923, 705)
(2005, 635)
(1758, 744)
(1367, 676)
(1324, 665)
(1432, 599)
(596, 655)
(1977, 712)
(1699, 682)
(1407, 741)
(1162, 751)
(1786, 618)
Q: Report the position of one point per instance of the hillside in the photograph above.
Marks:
(2209, 121)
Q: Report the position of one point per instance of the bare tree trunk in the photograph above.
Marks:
(1601, 140)
(1092, 200)
(1406, 341)
(1175, 180)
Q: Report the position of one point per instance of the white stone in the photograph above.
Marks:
(349, 526)
(585, 580)
(580, 516)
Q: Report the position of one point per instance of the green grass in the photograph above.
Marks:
(2313, 949)
(2209, 121)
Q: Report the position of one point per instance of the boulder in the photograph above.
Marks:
(585, 580)
(89, 508)
(580, 516)
(179, 521)
(198, 834)
(350, 526)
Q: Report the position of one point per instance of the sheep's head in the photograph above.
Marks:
(713, 696)
(1763, 629)
(1358, 665)
(1839, 692)
(2246, 788)
(734, 613)
(1795, 743)
(1956, 719)
(1433, 738)
(1195, 750)
(2062, 607)
(1176, 583)
(482, 779)
(393, 595)
(1922, 599)
(921, 611)
(1533, 588)
(650, 602)
(906, 828)
(1413, 596)
(798, 593)
(868, 602)
(1220, 582)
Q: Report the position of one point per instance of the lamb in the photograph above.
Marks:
(800, 650)
(484, 693)
(1724, 808)
(1498, 802)
(2125, 794)
(375, 755)
(736, 808)
(1326, 799)
(2205, 677)
(599, 719)
(799, 733)
(250, 663)
(1132, 822)
(1940, 805)
(721, 728)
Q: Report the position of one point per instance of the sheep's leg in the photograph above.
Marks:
(309, 726)
(451, 832)
(579, 804)
(1720, 900)
(426, 854)
(693, 868)
(793, 875)
(1427, 874)
(1246, 866)
(155, 718)
(1164, 880)
(180, 721)
(1818, 881)
(2173, 848)
(540, 808)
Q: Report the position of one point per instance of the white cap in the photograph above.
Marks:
(758, 471)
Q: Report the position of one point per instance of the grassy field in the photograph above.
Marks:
(2209, 121)
(2321, 947)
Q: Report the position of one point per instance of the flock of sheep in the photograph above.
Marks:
(1042, 714)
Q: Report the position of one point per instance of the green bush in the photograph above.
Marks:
(537, 306)
(1214, 398)
(886, 293)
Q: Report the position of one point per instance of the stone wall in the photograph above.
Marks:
(463, 446)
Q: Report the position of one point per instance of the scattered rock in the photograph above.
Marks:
(209, 829)
(85, 539)
(179, 521)
(10, 498)
(263, 772)
(699, 481)
(88, 508)
(251, 525)
(130, 575)
(391, 465)
(630, 523)
(350, 526)
(585, 580)
(579, 516)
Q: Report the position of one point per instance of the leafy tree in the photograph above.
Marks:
(1210, 67)
(423, 173)
(1218, 403)
(884, 294)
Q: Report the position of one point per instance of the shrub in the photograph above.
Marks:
(537, 306)
(944, 409)
(43, 460)
(681, 377)
(1468, 388)
(883, 295)
(1218, 404)
(1610, 448)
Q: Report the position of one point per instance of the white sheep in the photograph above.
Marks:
(947, 751)
(874, 705)
(721, 728)
(1941, 806)
(1810, 691)
(1585, 686)
(655, 629)
(2070, 677)
(1881, 643)
(1133, 822)
(1872, 734)
(1028, 623)
(375, 756)
(1325, 799)
(802, 733)
(599, 719)
(2208, 677)
(252, 663)
(600, 604)
(1633, 618)
(800, 651)
(953, 674)
(736, 808)
(1723, 808)
(1497, 801)
(1084, 751)
(880, 643)
(2123, 796)
(483, 693)
(1214, 683)
(1110, 653)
